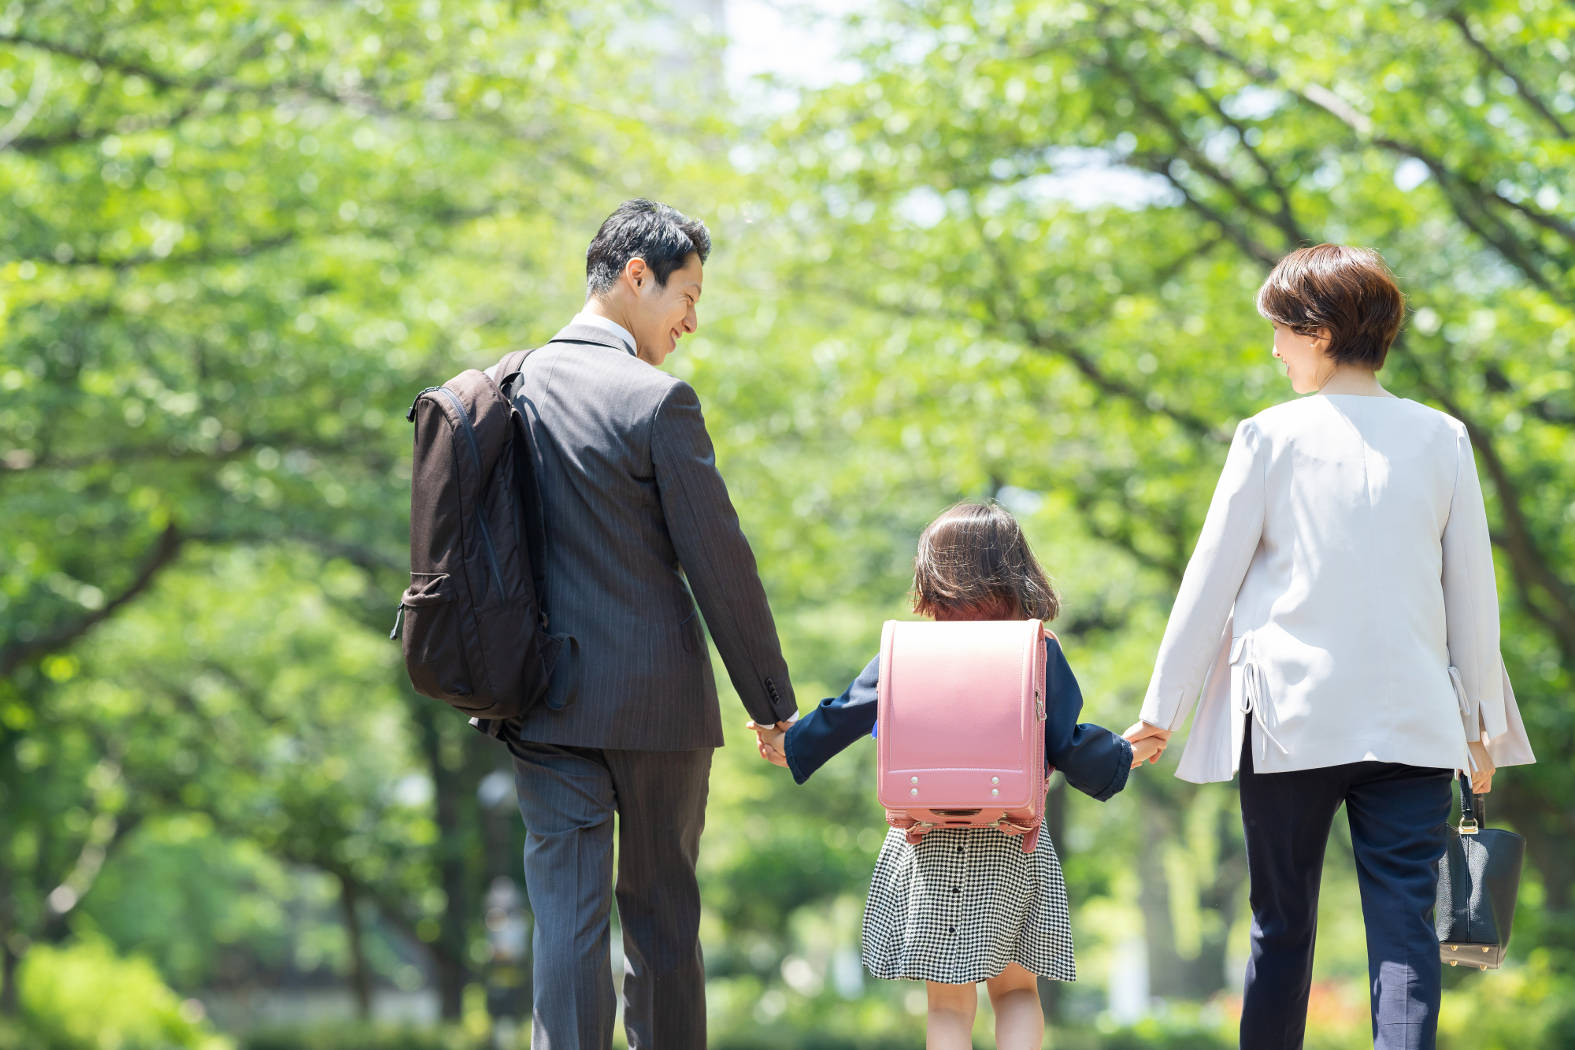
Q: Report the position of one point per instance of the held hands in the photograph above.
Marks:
(1148, 742)
(1146, 750)
(769, 741)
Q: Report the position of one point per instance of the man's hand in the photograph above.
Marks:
(1482, 779)
(769, 741)
(1148, 741)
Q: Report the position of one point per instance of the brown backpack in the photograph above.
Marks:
(475, 633)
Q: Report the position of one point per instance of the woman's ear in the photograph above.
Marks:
(1321, 338)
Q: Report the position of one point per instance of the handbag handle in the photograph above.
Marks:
(1473, 808)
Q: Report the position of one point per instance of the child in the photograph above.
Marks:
(966, 905)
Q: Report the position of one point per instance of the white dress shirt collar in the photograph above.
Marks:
(608, 326)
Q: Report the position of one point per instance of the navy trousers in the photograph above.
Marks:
(567, 797)
(1398, 817)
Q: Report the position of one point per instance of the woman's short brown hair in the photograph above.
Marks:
(974, 563)
(1349, 291)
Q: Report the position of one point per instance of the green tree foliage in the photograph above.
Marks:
(238, 239)
(1060, 214)
(1012, 253)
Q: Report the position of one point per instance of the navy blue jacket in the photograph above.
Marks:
(1092, 758)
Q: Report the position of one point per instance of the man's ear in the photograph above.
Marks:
(636, 273)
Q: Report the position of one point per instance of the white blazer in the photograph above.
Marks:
(1341, 596)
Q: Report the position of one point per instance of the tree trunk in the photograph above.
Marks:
(9, 1005)
(509, 978)
(1165, 965)
(1547, 842)
(360, 972)
(1173, 975)
(1222, 896)
(9, 955)
(449, 955)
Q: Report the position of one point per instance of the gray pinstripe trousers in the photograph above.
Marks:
(567, 797)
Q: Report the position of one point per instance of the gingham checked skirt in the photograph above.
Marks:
(962, 904)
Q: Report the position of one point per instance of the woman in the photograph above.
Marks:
(1340, 617)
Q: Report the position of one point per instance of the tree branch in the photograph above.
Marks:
(372, 562)
(308, 87)
(1329, 102)
(1234, 232)
(1052, 343)
(1458, 19)
(102, 61)
(162, 554)
(1124, 537)
(20, 460)
(206, 254)
(1475, 218)
(1271, 178)
(111, 831)
(1058, 344)
(393, 909)
(28, 109)
(1195, 157)
(1529, 563)
(80, 135)
(449, 215)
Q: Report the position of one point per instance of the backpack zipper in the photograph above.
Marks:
(475, 451)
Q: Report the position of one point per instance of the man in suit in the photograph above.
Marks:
(633, 506)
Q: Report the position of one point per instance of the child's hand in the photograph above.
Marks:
(769, 741)
(1145, 751)
(1148, 742)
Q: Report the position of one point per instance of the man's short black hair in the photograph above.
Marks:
(643, 229)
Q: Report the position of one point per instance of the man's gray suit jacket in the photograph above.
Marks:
(632, 505)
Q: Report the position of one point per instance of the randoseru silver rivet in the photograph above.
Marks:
(913, 791)
(913, 780)
(995, 780)
(995, 791)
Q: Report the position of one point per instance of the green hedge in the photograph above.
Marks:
(85, 997)
(805, 1041)
(356, 1036)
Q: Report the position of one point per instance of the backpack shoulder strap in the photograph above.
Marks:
(508, 369)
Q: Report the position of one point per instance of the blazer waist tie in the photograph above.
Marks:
(1254, 691)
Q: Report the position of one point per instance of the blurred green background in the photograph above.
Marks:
(964, 248)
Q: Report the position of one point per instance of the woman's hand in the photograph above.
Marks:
(1482, 778)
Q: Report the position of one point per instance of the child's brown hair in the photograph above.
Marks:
(974, 563)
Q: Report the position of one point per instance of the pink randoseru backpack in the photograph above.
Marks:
(960, 726)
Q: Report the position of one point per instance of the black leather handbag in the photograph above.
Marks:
(1478, 879)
